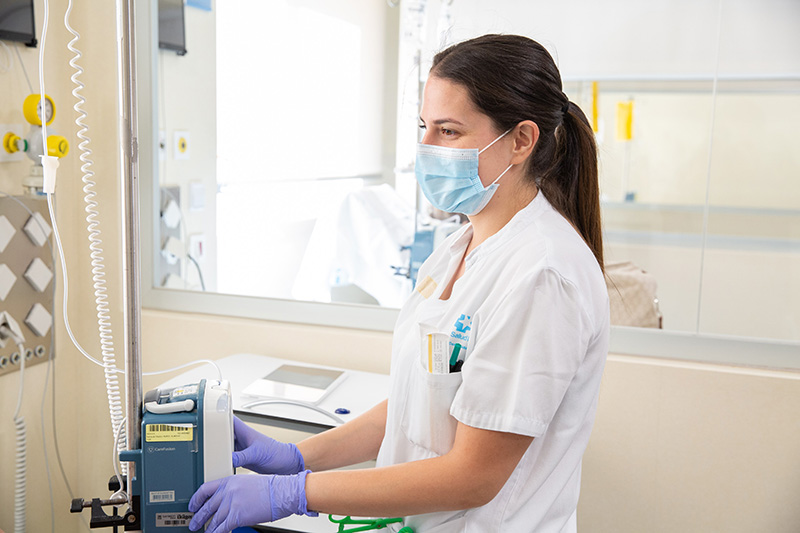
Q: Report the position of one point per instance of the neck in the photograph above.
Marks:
(507, 202)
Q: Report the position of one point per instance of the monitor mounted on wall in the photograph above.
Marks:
(171, 26)
(17, 22)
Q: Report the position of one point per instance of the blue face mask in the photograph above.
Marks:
(449, 178)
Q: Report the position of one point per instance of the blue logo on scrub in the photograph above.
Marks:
(460, 335)
(464, 324)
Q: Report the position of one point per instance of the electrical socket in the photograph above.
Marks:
(197, 247)
(9, 330)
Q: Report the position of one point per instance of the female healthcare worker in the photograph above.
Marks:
(495, 442)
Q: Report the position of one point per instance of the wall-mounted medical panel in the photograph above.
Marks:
(27, 279)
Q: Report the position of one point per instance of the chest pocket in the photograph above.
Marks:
(426, 419)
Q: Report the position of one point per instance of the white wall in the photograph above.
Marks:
(643, 39)
(187, 99)
(754, 163)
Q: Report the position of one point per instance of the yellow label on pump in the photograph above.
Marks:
(168, 433)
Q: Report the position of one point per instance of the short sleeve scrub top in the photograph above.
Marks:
(530, 314)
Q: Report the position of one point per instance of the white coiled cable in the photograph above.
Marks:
(95, 246)
(21, 467)
(20, 484)
(119, 465)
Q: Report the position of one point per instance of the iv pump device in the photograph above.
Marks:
(187, 439)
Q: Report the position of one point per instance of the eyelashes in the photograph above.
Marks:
(445, 132)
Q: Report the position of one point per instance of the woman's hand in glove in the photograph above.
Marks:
(247, 500)
(259, 453)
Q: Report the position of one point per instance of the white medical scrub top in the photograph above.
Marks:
(531, 316)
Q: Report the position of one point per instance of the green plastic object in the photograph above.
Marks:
(367, 524)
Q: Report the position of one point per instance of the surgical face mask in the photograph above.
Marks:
(449, 178)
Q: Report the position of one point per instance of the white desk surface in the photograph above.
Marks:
(358, 392)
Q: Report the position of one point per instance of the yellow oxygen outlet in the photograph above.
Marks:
(10, 142)
(57, 145)
(30, 108)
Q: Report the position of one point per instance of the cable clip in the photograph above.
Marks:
(50, 165)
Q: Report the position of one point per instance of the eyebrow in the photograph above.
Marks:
(444, 121)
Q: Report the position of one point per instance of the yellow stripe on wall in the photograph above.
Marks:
(625, 120)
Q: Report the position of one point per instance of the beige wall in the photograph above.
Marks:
(83, 423)
(677, 447)
(692, 448)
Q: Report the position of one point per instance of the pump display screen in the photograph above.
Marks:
(16, 21)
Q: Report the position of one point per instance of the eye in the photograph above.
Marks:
(447, 133)
(422, 127)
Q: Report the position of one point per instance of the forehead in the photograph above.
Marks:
(445, 99)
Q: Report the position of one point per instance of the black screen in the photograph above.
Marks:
(171, 27)
(16, 21)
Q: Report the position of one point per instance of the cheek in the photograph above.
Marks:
(489, 168)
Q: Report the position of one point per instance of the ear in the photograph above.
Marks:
(525, 135)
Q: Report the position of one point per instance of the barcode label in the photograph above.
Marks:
(168, 432)
(173, 519)
(167, 427)
(162, 496)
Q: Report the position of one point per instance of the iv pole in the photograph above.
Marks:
(129, 197)
(129, 188)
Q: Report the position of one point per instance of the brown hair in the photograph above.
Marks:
(511, 78)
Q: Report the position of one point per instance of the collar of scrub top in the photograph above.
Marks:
(517, 223)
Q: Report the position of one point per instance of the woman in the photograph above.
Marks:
(494, 443)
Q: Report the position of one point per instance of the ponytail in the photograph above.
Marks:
(512, 78)
(571, 184)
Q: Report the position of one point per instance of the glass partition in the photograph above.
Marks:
(284, 147)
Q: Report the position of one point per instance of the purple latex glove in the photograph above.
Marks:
(259, 453)
(247, 500)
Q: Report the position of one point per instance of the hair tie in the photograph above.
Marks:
(565, 108)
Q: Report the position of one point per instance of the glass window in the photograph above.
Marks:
(301, 123)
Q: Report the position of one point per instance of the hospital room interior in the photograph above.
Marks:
(268, 214)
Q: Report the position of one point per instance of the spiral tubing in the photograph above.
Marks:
(21, 465)
(95, 246)
(20, 484)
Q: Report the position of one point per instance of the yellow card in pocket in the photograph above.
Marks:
(436, 345)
